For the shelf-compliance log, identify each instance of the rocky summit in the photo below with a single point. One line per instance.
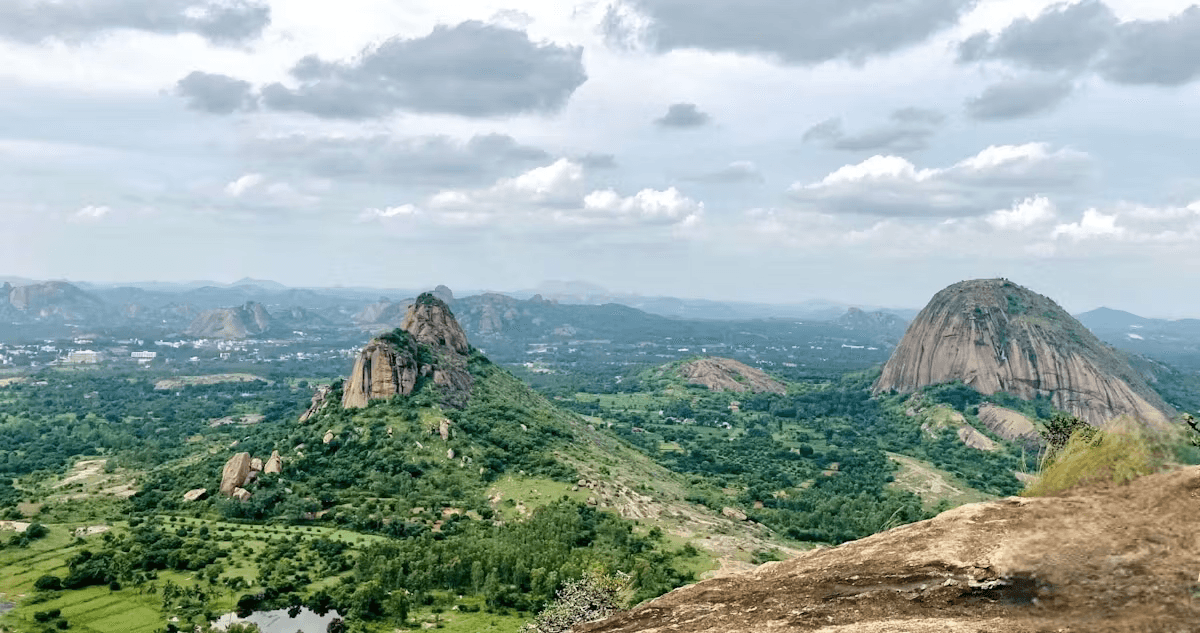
(995, 335)
(1121, 559)
(428, 344)
(232, 323)
(723, 374)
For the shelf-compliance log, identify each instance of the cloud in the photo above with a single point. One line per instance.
(593, 160)
(736, 172)
(225, 22)
(1092, 224)
(796, 33)
(472, 69)
(240, 186)
(431, 161)
(1162, 52)
(402, 211)
(549, 196)
(909, 130)
(1024, 214)
(92, 212)
(893, 186)
(215, 93)
(1087, 37)
(1019, 98)
(683, 115)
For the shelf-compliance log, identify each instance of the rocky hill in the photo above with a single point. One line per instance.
(52, 300)
(877, 322)
(723, 374)
(231, 323)
(1120, 559)
(428, 344)
(994, 335)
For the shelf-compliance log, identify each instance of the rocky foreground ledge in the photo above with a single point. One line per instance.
(1118, 559)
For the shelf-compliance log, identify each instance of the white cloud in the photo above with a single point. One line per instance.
(561, 179)
(1093, 224)
(92, 212)
(1024, 214)
(402, 211)
(244, 184)
(894, 186)
(668, 205)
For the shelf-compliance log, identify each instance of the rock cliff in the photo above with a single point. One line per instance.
(997, 336)
(429, 344)
(230, 323)
(1115, 560)
(723, 374)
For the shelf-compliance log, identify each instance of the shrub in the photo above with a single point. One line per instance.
(48, 583)
(593, 597)
(1122, 452)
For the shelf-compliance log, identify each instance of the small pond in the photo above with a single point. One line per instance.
(279, 621)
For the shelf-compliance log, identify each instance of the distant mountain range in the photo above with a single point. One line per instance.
(1174, 341)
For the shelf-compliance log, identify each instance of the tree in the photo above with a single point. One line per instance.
(48, 583)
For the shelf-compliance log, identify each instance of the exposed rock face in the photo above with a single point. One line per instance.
(1008, 424)
(1122, 559)
(274, 464)
(429, 343)
(997, 336)
(241, 494)
(444, 430)
(318, 402)
(723, 374)
(256, 464)
(975, 439)
(444, 293)
(49, 300)
(234, 475)
(231, 323)
(195, 495)
(733, 513)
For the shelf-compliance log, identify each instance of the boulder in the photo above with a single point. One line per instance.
(444, 430)
(256, 464)
(328, 436)
(241, 494)
(235, 472)
(318, 402)
(274, 464)
(733, 513)
(195, 495)
(450, 453)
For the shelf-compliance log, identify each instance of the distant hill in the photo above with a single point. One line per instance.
(1174, 341)
(51, 300)
(996, 336)
(232, 323)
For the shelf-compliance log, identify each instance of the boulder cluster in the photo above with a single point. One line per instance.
(242, 469)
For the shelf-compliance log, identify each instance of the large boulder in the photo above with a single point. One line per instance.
(195, 495)
(318, 402)
(235, 472)
(274, 464)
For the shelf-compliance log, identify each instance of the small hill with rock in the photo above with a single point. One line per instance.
(1119, 559)
(246, 320)
(996, 336)
(429, 344)
(723, 374)
(56, 300)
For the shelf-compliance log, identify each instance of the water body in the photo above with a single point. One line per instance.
(279, 621)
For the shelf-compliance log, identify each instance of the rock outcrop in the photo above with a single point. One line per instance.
(1113, 560)
(1008, 424)
(274, 464)
(429, 343)
(195, 495)
(318, 402)
(231, 323)
(723, 374)
(994, 335)
(56, 300)
(241, 494)
(235, 472)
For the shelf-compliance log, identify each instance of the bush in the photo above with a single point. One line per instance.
(593, 597)
(48, 583)
(1122, 452)
(46, 616)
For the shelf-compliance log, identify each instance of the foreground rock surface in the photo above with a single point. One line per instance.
(995, 336)
(1113, 560)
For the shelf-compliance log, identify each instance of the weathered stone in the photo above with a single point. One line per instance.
(195, 495)
(994, 335)
(444, 430)
(328, 436)
(1008, 424)
(274, 464)
(234, 474)
(450, 453)
(383, 369)
(256, 463)
(723, 374)
(430, 322)
(733, 513)
(241, 494)
(318, 402)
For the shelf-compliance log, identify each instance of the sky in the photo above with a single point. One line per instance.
(867, 151)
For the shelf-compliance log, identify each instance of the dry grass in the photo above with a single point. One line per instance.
(1123, 451)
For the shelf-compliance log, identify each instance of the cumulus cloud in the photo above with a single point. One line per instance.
(472, 69)
(215, 93)
(244, 184)
(736, 172)
(1092, 224)
(1087, 36)
(1024, 214)
(893, 186)
(1018, 98)
(554, 194)
(1137, 224)
(432, 160)
(909, 129)
(223, 22)
(683, 115)
(402, 211)
(799, 33)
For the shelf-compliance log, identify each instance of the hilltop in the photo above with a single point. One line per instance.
(996, 336)
(1106, 560)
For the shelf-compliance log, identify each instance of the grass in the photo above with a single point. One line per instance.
(1122, 452)
(531, 493)
(933, 485)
